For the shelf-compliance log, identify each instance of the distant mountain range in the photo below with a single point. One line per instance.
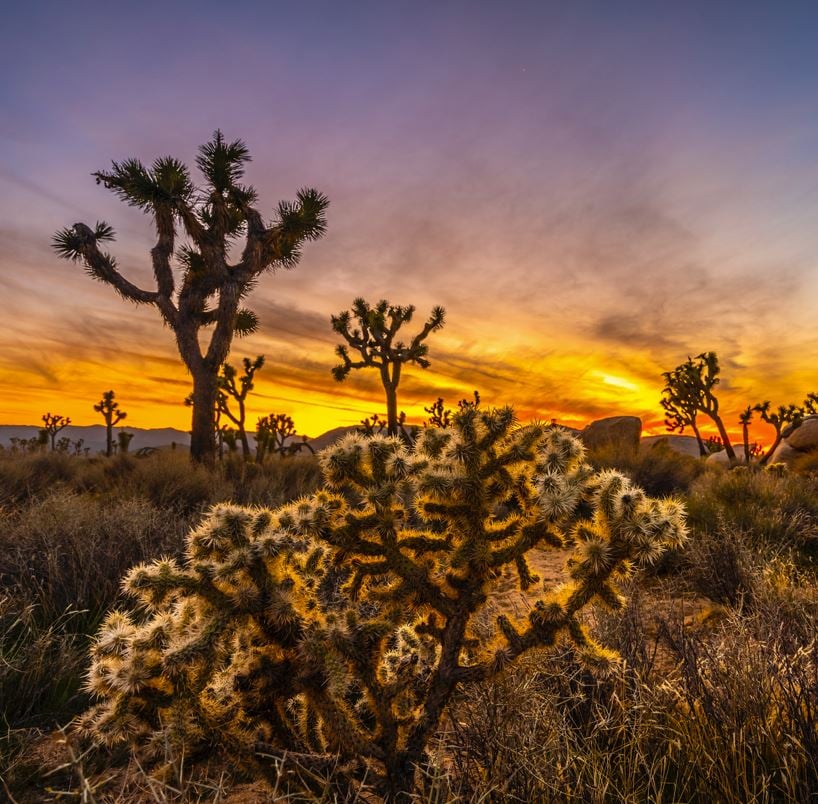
(93, 436)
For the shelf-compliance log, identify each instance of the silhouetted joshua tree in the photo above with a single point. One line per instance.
(109, 408)
(680, 402)
(779, 419)
(209, 289)
(441, 416)
(276, 434)
(693, 382)
(53, 424)
(744, 419)
(370, 333)
(237, 388)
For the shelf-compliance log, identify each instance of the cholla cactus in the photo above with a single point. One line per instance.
(342, 623)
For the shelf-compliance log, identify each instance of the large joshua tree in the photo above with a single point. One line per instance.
(196, 284)
(370, 333)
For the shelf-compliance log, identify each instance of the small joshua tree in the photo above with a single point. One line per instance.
(370, 334)
(441, 416)
(276, 434)
(692, 384)
(208, 290)
(246, 636)
(237, 388)
(53, 424)
(109, 408)
(745, 419)
(786, 415)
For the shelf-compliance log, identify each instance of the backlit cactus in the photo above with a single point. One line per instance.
(342, 623)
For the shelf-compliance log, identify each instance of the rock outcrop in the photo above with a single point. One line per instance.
(798, 441)
(616, 432)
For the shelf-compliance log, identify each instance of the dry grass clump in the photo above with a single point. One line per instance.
(659, 470)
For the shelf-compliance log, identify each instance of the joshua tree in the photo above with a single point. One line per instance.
(441, 416)
(693, 382)
(272, 434)
(245, 643)
(203, 289)
(238, 390)
(109, 408)
(744, 419)
(779, 419)
(680, 402)
(371, 336)
(53, 424)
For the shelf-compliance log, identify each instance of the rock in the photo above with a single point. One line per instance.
(617, 432)
(785, 454)
(681, 444)
(720, 458)
(805, 437)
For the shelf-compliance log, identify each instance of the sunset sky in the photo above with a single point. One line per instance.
(592, 190)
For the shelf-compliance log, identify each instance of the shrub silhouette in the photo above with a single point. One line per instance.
(249, 635)
(441, 416)
(211, 289)
(370, 333)
(111, 413)
(273, 433)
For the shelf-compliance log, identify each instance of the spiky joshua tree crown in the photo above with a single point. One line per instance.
(341, 624)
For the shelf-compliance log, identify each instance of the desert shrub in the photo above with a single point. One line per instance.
(659, 470)
(767, 508)
(721, 565)
(245, 637)
(61, 561)
(23, 477)
(276, 481)
(735, 719)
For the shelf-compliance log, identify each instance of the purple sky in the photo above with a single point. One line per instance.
(593, 190)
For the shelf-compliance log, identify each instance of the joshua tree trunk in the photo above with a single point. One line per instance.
(725, 439)
(203, 427)
(746, 435)
(699, 440)
(769, 453)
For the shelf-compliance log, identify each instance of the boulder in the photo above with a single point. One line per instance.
(785, 454)
(616, 432)
(805, 437)
(720, 458)
(681, 444)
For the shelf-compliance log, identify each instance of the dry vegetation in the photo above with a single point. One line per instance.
(717, 699)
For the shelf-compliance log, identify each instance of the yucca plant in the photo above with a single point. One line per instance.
(339, 626)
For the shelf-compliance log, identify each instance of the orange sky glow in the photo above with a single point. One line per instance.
(593, 194)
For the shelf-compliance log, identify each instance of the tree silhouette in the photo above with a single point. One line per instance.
(237, 388)
(273, 433)
(203, 289)
(680, 402)
(109, 408)
(370, 332)
(779, 419)
(441, 416)
(692, 383)
(744, 419)
(53, 424)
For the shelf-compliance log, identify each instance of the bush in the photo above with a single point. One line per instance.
(766, 508)
(659, 470)
(248, 636)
